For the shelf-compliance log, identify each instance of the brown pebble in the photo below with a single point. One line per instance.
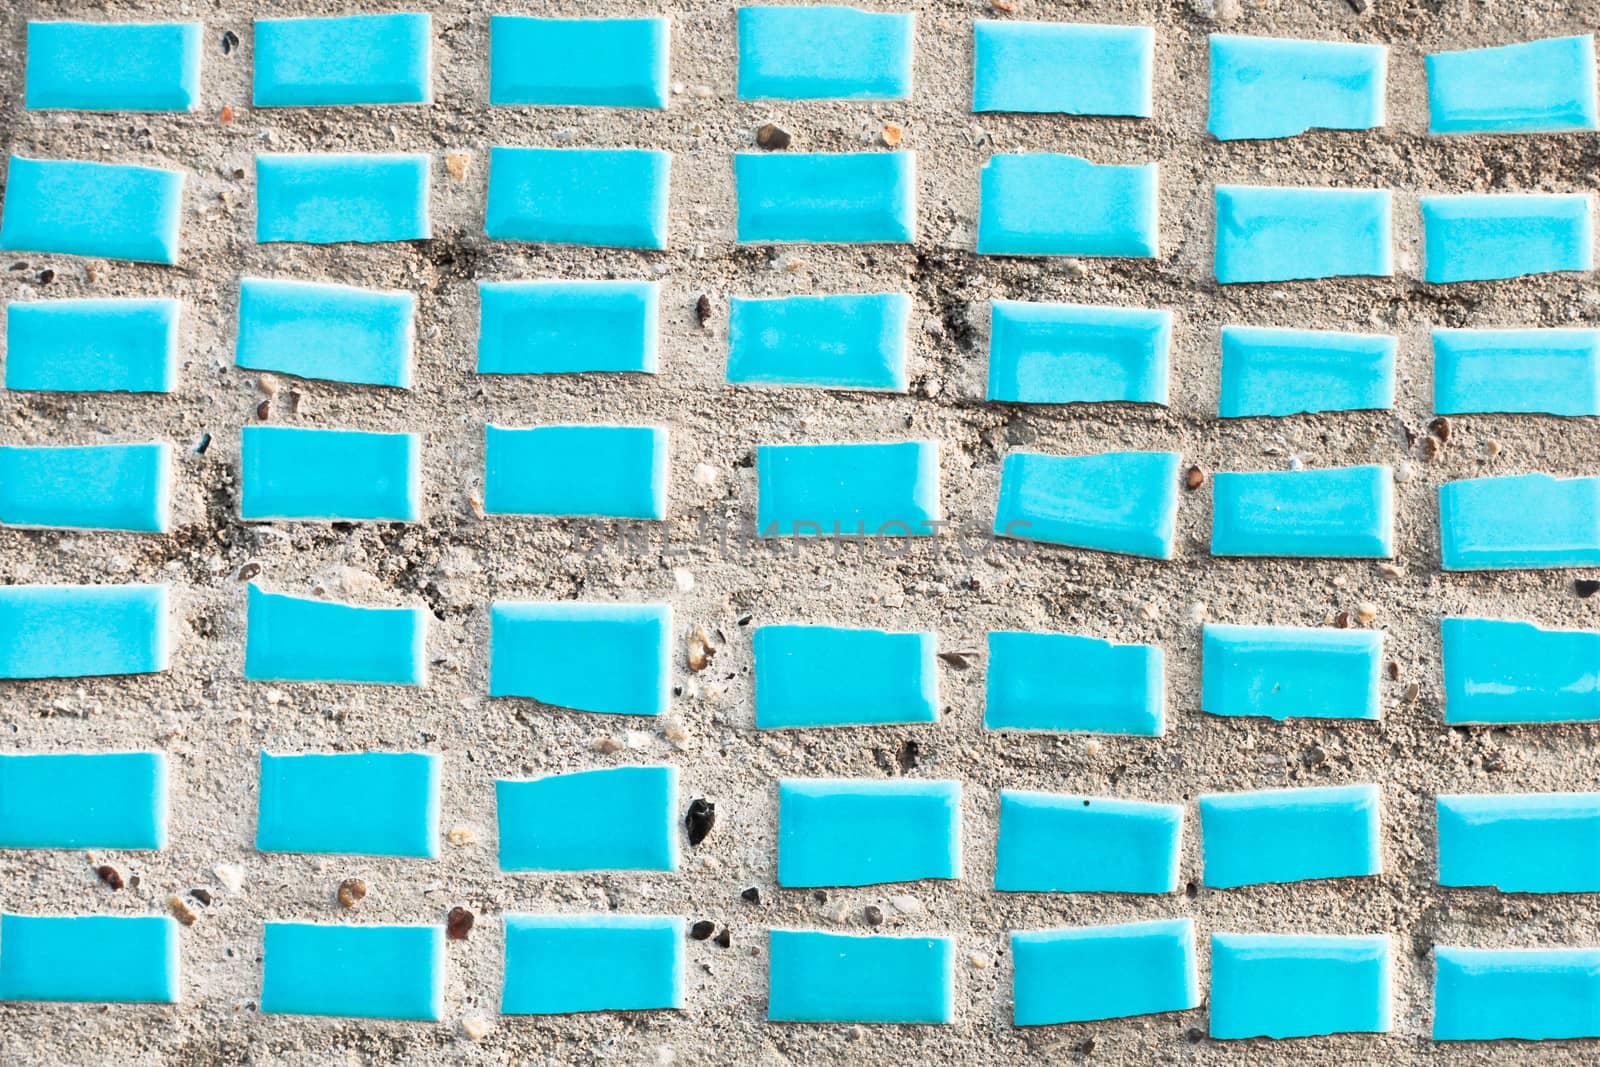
(773, 138)
(1413, 691)
(607, 745)
(351, 891)
(891, 135)
(1003, 6)
(461, 836)
(1440, 428)
(1194, 478)
(958, 660)
(1342, 620)
(91, 271)
(458, 924)
(109, 875)
(456, 165)
(181, 910)
(249, 571)
(724, 938)
(702, 310)
(264, 409)
(227, 114)
(873, 914)
(1394, 670)
(700, 650)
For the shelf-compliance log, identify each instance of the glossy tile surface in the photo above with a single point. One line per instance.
(1086, 973)
(885, 490)
(592, 62)
(79, 631)
(1018, 66)
(843, 341)
(1045, 204)
(1529, 87)
(89, 958)
(559, 964)
(1054, 681)
(350, 803)
(92, 346)
(589, 470)
(568, 327)
(857, 831)
(809, 676)
(89, 800)
(1267, 87)
(1299, 985)
(1290, 672)
(1061, 843)
(78, 208)
(1519, 521)
(1071, 353)
(1344, 512)
(826, 197)
(293, 472)
(1275, 234)
(301, 639)
(1290, 835)
(113, 66)
(1520, 842)
(1125, 502)
(352, 59)
(1476, 237)
(1551, 371)
(87, 487)
(1285, 372)
(817, 976)
(824, 52)
(338, 333)
(337, 197)
(617, 819)
(603, 197)
(1507, 671)
(611, 658)
(366, 971)
(1482, 994)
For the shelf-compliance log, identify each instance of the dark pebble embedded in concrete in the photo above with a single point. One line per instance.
(701, 818)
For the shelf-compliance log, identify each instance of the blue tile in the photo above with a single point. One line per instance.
(609, 658)
(355, 59)
(823, 52)
(582, 62)
(1086, 973)
(80, 631)
(129, 959)
(884, 490)
(350, 803)
(296, 639)
(1474, 237)
(606, 197)
(92, 209)
(561, 327)
(1264, 87)
(857, 831)
(325, 198)
(1059, 843)
(1017, 66)
(855, 341)
(607, 471)
(1504, 671)
(839, 197)
(1342, 512)
(1521, 842)
(833, 676)
(618, 819)
(1290, 835)
(1299, 985)
(1520, 521)
(114, 66)
(83, 800)
(1072, 354)
(817, 977)
(1274, 234)
(291, 472)
(1044, 204)
(1535, 87)
(92, 346)
(1050, 681)
(1290, 672)
(559, 964)
(1285, 372)
(1555, 372)
(1530, 994)
(87, 487)
(1124, 502)
(365, 972)
(337, 333)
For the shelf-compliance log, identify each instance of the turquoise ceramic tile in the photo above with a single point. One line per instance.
(1124, 502)
(1503, 671)
(834, 676)
(1058, 843)
(113, 66)
(334, 332)
(606, 197)
(365, 972)
(559, 964)
(882, 490)
(1264, 87)
(1474, 237)
(856, 831)
(1530, 994)
(1299, 985)
(1072, 354)
(618, 819)
(92, 346)
(291, 472)
(1018, 66)
(1274, 234)
(823, 52)
(855, 341)
(608, 471)
(127, 959)
(298, 639)
(1285, 372)
(325, 198)
(823, 197)
(819, 977)
(90, 800)
(350, 803)
(1086, 973)
(1045, 204)
(1534, 87)
(1554, 372)
(561, 327)
(1290, 672)
(354, 59)
(610, 658)
(582, 62)
(87, 487)
(92, 209)
(1521, 842)
(1049, 681)
(1519, 521)
(1342, 512)
(1290, 835)
(79, 631)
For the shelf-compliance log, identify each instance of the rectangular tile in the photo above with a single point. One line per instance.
(1519, 521)
(1051, 681)
(92, 346)
(1290, 672)
(1017, 66)
(839, 341)
(1286, 372)
(617, 819)
(1124, 502)
(1060, 843)
(350, 803)
(1086, 973)
(77, 208)
(1299, 985)
(560, 964)
(354, 59)
(586, 62)
(325, 198)
(857, 831)
(87, 487)
(1520, 842)
(1554, 372)
(826, 197)
(80, 631)
(300, 639)
(1046, 204)
(823, 52)
(1532, 87)
(604, 197)
(605, 471)
(815, 977)
(608, 658)
(113, 66)
(882, 490)
(809, 676)
(1476, 237)
(1265, 87)
(1290, 835)
(292, 472)
(123, 959)
(562, 327)
(1074, 354)
(1506, 671)
(1274, 234)
(90, 800)
(338, 333)
(365, 972)
(1528, 994)
(1341, 512)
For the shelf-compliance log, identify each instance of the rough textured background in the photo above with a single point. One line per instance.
(213, 724)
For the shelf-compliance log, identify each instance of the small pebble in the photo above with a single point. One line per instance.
(1440, 428)
(703, 474)
(1194, 478)
(906, 904)
(181, 910)
(607, 745)
(475, 1027)
(1430, 448)
(702, 929)
(773, 138)
(110, 876)
(1403, 471)
(456, 164)
(1091, 747)
(857, 1032)
(673, 730)
(1586, 587)
(1394, 670)
(1389, 570)
(979, 961)
(891, 135)
(751, 895)
(1492, 448)
(1342, 620)
(202, 895)
(230, 41)
(264, 410)
(1366, 611)
(227, 114)
(461, 836)
(47, 276)
(701, 818)
(458, 924)
(1413, 691)
(958, 660)
(683, 579)
(1358, 6)
(249, 571)
(351, 892)
(724, 938)
(700, 650)
(702, 310)
(873, 914)
(1005, 7)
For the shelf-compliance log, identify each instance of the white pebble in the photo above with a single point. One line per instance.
(906, 904)
(476, 1027)
(682, 579)
(231, 875)
(704, 474)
